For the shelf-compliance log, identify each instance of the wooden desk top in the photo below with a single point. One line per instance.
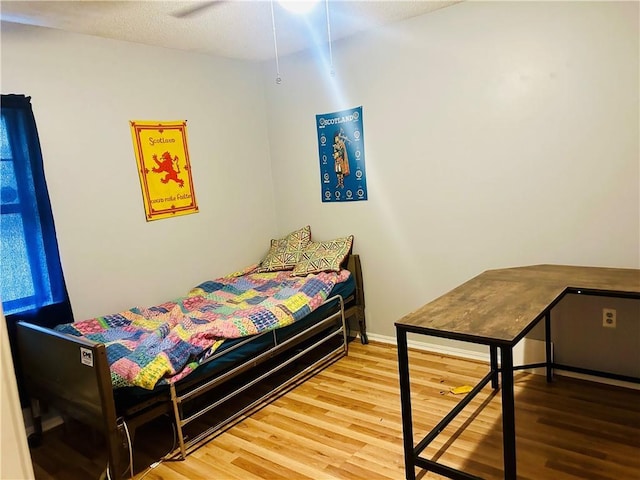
(499, 306)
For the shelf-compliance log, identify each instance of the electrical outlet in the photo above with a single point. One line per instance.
(609, 317)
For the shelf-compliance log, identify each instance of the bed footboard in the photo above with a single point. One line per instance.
(72, 375)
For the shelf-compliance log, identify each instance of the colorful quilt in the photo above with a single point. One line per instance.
(161, 344)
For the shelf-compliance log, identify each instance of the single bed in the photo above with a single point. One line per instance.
(74, 375)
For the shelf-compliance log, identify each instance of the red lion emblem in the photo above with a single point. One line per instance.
(167, 166)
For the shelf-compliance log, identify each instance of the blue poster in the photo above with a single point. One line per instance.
(341, 148)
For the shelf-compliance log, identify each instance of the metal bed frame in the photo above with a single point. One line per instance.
(86, 394)
(178, 400)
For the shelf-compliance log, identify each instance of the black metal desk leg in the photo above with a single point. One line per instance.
(493, 357)
(405, 403)
(547, 343)
(508, 414)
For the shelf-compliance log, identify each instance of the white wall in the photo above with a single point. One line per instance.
(583, 341)
(496, 134)
(15, 460)
(84, 91)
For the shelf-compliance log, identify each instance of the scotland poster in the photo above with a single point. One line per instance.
(164, 168)
(341, 147)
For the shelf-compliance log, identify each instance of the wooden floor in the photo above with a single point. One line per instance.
(345, 423)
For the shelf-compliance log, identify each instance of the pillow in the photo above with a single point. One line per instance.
(323, 256)
(285, 252)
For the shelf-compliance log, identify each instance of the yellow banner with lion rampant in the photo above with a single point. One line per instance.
(164, 168)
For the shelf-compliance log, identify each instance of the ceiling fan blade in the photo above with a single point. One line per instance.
(191, 11)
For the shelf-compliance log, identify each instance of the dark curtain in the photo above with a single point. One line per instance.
(49, 305)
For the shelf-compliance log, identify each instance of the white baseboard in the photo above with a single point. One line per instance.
(433, 347)
(593, 378)
(533, 353)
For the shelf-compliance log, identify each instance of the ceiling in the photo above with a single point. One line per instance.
(240, 29)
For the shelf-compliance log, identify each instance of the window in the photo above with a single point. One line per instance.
(30, 271)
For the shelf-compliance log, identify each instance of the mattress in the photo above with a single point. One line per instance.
(231, 353)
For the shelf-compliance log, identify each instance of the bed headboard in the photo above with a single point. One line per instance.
(357, 311)
(354, 266)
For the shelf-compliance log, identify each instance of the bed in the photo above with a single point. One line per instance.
(75, 375)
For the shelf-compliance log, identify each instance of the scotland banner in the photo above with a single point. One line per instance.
(341, 148)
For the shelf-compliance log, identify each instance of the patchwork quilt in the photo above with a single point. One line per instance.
(162, 343)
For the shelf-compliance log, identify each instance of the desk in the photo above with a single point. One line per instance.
(498, 308)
